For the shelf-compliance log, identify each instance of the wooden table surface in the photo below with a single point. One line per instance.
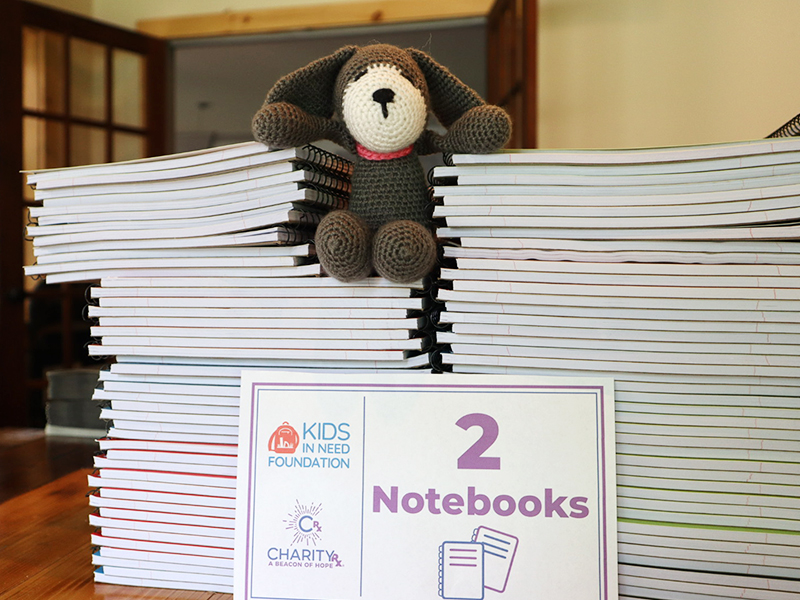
(45, 548)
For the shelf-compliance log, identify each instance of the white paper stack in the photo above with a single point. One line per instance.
(156, 216)
(676, 272)
(206, 267)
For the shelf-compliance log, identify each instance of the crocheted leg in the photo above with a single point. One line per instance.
(343, 245)
(403, 251)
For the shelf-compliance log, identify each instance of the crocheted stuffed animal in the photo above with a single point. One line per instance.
(374, 101)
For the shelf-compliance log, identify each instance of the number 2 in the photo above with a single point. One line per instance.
(473, 458)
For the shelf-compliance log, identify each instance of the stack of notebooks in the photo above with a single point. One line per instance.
(676, 272)
(206, 266)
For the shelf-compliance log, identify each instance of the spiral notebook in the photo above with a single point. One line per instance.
(461, 570)
(499, 550)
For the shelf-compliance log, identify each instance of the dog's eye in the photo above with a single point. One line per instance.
(360, 75)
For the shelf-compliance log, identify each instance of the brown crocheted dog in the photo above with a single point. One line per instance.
(374, 101)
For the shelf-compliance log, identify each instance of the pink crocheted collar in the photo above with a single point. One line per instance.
(370, 155)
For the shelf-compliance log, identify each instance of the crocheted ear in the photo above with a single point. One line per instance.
(311, 87)
(450, 97)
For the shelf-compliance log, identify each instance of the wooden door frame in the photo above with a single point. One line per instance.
(14, 410)
(311, 17)
(14, 404)
(521, 16)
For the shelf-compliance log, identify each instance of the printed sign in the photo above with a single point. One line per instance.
(397, 486)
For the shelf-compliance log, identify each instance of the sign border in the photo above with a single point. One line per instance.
(259, 383)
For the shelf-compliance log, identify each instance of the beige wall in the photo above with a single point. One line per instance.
(617, 73)
(623, 73)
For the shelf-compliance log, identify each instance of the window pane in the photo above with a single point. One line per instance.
(43, 147)
(128, 87)
(43, 71)
(87, 79)
(128, 146)
(87, 145)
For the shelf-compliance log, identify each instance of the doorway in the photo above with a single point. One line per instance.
(220, 83)
(75, 91)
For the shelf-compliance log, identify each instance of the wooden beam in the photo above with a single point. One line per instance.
(310, 17)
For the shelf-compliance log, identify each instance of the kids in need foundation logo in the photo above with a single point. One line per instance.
(284, 439)
(318, 445)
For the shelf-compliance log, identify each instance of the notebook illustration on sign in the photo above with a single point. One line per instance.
(461, 570)
(498, 556)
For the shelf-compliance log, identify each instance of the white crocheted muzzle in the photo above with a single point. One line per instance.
(383, 110)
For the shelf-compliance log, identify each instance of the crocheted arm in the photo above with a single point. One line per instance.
(480, 130)
(299, 107)
(472, 125)
(284, 125)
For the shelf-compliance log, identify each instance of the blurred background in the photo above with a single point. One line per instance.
(87, 81)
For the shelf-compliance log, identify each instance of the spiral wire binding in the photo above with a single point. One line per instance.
(435, 359)
(429, 176)
(93, 340)
(790, 129)
(433, 179)
(328, 160)
(321, 162)
(314, 167)
(97, 357)
(435, 320)
(331, 198)
(30, 221)
(432, 198)
(431, 326)
(85, 315)
(327, 180)
(87, 296)
(437, 306)
(441, 567)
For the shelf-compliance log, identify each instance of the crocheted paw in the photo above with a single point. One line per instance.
(284, 125)
(343, 245)
(480, 130)
(403, 251)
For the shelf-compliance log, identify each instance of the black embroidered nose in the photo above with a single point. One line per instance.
(383, 96)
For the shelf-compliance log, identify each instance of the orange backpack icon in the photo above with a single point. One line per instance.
(284, 439)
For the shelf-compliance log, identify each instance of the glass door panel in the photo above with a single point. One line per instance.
(43, 81)
(87, 145)
(43, 146)
(87, 74)
(128, 146)
(128, 90)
